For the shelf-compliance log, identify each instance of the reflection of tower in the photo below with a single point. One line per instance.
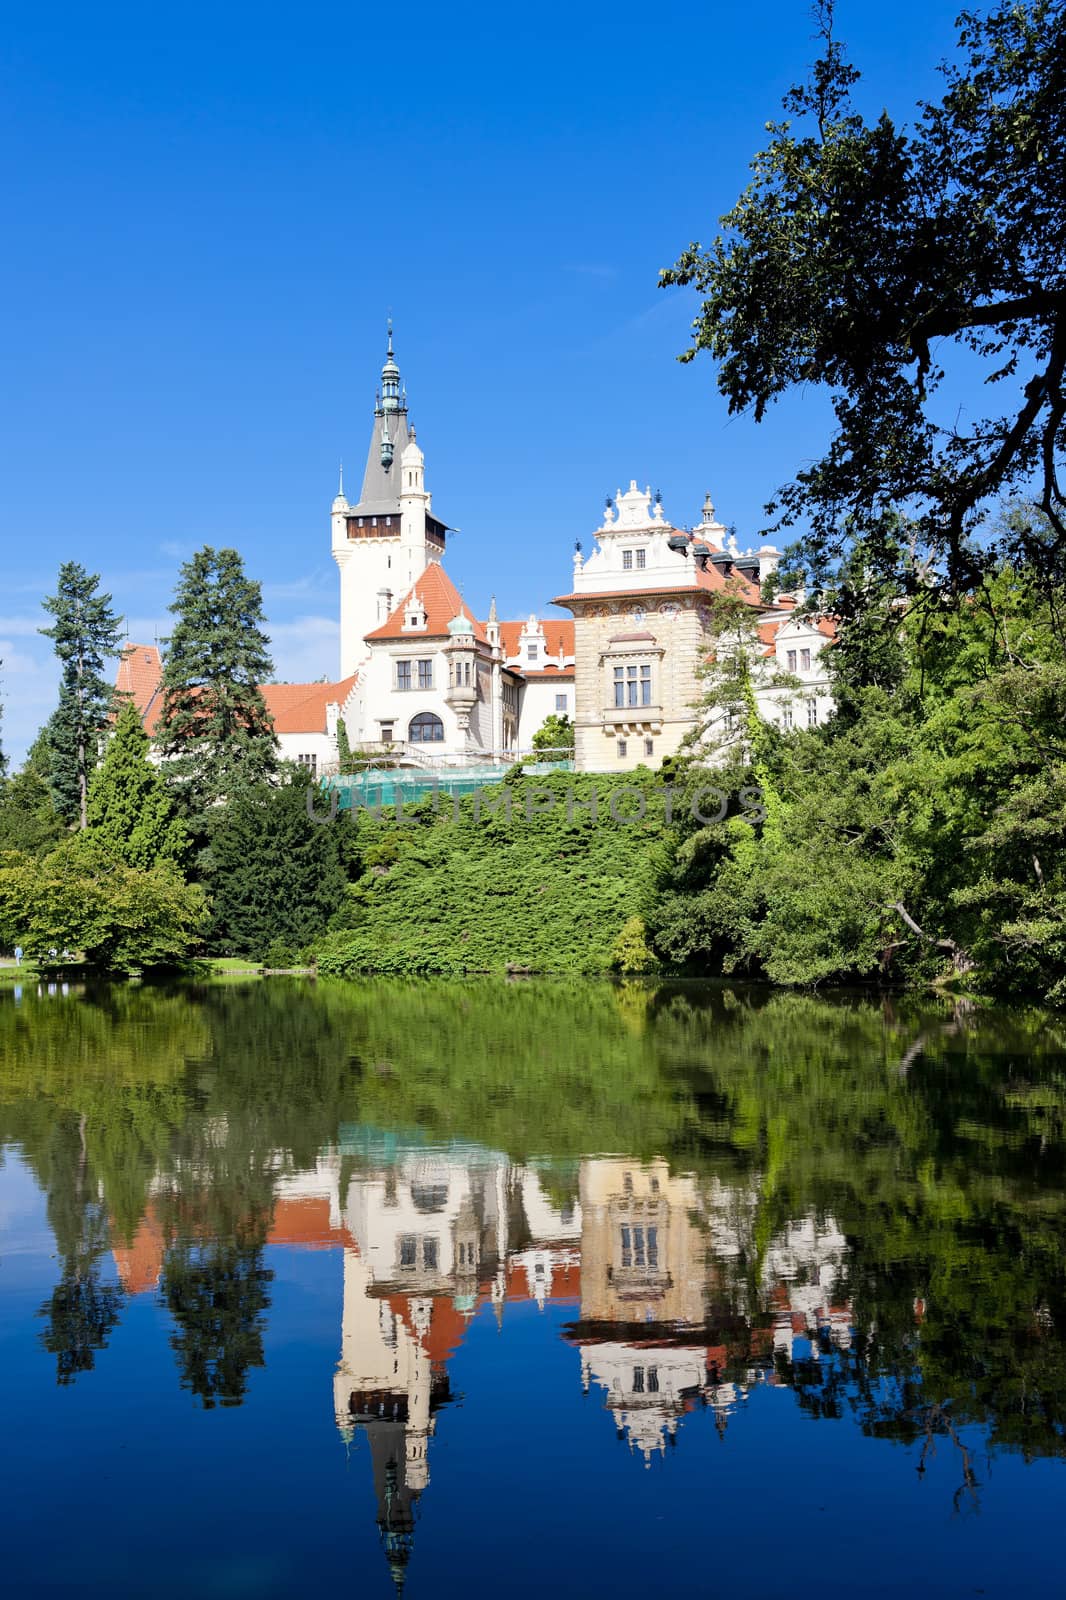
(387, 1387)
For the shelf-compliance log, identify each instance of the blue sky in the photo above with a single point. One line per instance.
(210, 212)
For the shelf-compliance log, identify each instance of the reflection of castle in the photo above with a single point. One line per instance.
(664, 1296)
(436, 1232)
(680, 1303)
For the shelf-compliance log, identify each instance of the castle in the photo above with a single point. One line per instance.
(426, 684)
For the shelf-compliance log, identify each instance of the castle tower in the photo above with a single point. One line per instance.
(384, 542)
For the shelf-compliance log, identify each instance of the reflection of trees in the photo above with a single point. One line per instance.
(217, 1294)
(82, 1310)
(217, 1213)
(937, 1142)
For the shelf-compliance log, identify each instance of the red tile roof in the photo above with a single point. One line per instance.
(139, 673)
(294, 707)
(301, 707)
(441, 601)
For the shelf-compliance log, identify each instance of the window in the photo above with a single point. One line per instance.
(621, 747)
(531, 652)
(786, 718)
(632, 685)
(805, 661)
(638, 1380)
(426, 729)
(429, 1254)
(309, 763)
(790, 657)
(403, 674)
(653, 1247)
(560, 702)
(386, 733)
(627, 1249)
(812, 713)
(425, 674)
(653, 1380)
(649, 747)
(627, 559)
(460, 674)
(640, 557)
(407, 1251)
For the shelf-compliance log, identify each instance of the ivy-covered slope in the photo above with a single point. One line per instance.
(466, 888)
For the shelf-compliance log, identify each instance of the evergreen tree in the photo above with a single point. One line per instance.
(131, 812)
(29, 821)
(215, 726)
(85, 632)
(276, 875)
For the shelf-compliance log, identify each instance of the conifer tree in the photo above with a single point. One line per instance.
(276, 876)
(85, 632)
(29, 821)
(131, 811)
(215, 726)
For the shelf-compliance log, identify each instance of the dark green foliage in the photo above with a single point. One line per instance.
(214, 725)
(885, 261)
(918, 836)
(29, 821)
(276, 876)
(464, 889)
(131, 811)
(85, 633)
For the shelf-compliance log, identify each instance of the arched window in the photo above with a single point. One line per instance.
(426, 729)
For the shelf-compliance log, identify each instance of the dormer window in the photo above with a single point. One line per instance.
(531, 652)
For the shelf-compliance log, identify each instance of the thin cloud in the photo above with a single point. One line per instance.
(591, 269)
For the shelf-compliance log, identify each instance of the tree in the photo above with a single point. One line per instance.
(214, 727)
(555, 736)
(130, 811)
(80, 898)
(85, 633)
(881, 262)
(29, 821)
(276, 875)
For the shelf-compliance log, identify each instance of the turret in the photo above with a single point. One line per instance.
(461, 650)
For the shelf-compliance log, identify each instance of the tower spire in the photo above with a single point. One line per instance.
(391, 397)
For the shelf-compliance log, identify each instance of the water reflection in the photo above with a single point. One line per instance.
(865, 1210)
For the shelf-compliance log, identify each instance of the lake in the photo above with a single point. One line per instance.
(529, 1288)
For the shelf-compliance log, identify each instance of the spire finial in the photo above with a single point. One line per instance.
(340, 486)
(391, 399)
